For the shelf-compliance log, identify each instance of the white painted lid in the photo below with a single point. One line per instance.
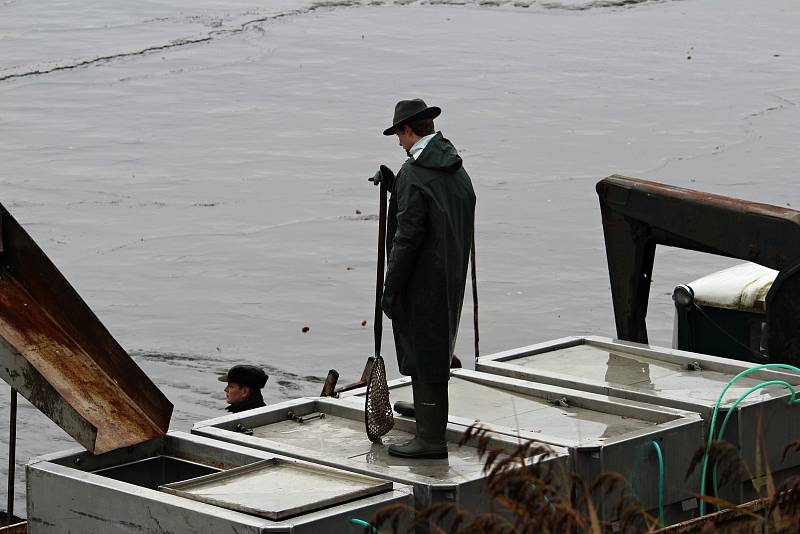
(742, 287)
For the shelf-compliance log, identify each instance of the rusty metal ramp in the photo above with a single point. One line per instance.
(58, 355)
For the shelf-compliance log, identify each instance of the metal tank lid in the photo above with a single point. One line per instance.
(57, 354)
(741, 287)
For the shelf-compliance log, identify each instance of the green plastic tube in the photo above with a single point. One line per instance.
(714, 420)
(660, 481)
(732, 409)
(362, 523)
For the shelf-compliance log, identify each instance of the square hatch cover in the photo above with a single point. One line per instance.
(278, 488)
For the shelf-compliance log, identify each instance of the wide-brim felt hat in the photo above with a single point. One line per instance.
(246, 375)
(410, 110)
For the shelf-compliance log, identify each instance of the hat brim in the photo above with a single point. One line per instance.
(427, 113)
(223, 378)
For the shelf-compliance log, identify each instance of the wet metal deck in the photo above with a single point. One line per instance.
(344, 437)
(518, 411)
(339, 440)
(640, 372)
(603, 433)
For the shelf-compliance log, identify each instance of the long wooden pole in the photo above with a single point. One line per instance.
(12, 453)
(475, 298)
(378, 326)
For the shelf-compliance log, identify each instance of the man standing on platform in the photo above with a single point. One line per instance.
(429, 234)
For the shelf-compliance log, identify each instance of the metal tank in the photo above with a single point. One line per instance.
(133, 475)
(331, 432)
(763, 424)
(602, 433)
(186, 484)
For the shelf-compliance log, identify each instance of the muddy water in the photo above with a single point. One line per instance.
(198, 171)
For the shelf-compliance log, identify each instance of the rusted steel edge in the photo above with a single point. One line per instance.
(28, 382)
(16, 528)
(23, 259)
(723, 517)
(683, 194)
(350, 387)
(43, 315)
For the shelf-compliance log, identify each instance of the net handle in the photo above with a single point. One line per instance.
(474, 273)
(381, 265)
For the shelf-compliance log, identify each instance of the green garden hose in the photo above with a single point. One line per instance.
(716, 410)
(362, 523)
(660, 482)
(724, 425)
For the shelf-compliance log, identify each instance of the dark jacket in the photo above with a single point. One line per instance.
(430, 228)
(254, 400)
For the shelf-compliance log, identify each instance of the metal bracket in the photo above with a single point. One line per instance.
(243, 429)
(303, 418)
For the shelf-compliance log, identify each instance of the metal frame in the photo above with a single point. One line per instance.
(63, 494)
(639, 214)
(678, 432)
(464, 488)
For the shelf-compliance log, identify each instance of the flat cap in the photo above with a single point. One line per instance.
(246, 375)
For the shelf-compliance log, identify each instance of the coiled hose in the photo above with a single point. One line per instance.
(711, 435)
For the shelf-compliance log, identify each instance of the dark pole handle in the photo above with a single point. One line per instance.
(474, 297)
(381, 264)
(12, 453)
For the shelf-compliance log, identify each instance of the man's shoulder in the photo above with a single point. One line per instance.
(408, 172)
(408, 166)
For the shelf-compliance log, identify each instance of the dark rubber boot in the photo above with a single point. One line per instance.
(430, 405)
(404, 408)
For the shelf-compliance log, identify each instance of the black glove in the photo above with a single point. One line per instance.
(387, 303)
(384, 175)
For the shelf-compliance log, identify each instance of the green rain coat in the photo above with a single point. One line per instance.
(430, 228)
